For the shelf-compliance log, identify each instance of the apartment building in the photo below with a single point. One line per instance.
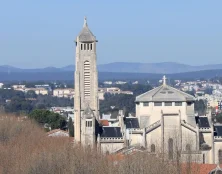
(66, 93)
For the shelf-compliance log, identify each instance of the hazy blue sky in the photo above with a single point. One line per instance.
(40, 33)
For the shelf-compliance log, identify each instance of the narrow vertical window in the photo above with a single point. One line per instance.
(220, 156)
(153, 148)
(203, 158)
(87, 46)
(170, 148)
(91, 46)
(84, 46)
(81, 46)
(87, 78)
(188, 148)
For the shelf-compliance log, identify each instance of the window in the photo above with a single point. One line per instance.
(203, 158)
(88, 123)
(153, 148)
(87, 78)
(220, 156)
(84, 46)
(178, 103)
(145, 103)
(157, 103)
(91, 46)
(170, 148)
(168, 103)
(81, 46)
(189, 103)
(87, 46)
(188, 148)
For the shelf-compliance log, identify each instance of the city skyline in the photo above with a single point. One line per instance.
(42, 33)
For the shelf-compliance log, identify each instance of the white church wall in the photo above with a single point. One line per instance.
(172, 132)
(188, 138)
(217, 147)
(192, 157)
(155, 112)
(171, 126)
(154, 137)
(135, 139)
(208, 154)
(111, 147)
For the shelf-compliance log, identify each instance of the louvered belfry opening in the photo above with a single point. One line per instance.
(87, 80)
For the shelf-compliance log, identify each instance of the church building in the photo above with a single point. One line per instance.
(164, 122)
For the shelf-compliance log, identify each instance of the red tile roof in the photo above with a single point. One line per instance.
(198, 168)
(104, 122)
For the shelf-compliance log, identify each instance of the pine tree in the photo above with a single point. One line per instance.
(71, 127)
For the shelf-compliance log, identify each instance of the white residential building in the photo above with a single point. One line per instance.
(108, 82)
(1, 85)
(18, 87)
(66, 93)
(38, 91)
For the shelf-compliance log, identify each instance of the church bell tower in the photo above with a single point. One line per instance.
(86, 103)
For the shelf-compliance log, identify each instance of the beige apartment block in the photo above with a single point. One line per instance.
(18, 87)
(38, 91)
(66, 93)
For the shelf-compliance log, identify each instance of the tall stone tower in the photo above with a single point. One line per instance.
(86, 104)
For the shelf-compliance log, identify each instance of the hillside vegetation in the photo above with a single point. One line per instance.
(25, 149)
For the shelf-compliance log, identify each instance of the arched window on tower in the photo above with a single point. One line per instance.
(170, 148)
(153, 148)
(220, 156)
(91, 47)
(84, 46)
(81, 46)
(87, 80)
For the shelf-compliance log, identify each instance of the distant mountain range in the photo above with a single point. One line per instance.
(155, 68)
(69, 76)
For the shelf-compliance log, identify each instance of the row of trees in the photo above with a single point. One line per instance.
(51, 119)
(19, 102)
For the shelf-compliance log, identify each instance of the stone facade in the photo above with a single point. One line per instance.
(165, 121)
(86, 82)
